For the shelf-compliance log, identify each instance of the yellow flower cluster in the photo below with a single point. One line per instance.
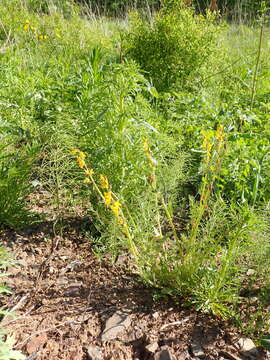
(107, 198)
(80, 158)
(115, 207)
(207, 145)
(106, 194)
(89, 172)
(28, 27)
(210, 138)
(41, 37)
(104, 183)
(220, 135)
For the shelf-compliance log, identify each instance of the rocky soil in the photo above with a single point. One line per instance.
(72, 305)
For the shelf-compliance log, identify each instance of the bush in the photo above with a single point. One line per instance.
(15, 165)
(112, 132)
(168, 53)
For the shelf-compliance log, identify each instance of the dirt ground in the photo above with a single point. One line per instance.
(66, 299)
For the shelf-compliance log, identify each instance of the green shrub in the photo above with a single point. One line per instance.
(172, 48)
(115, 120)
(16, 157)
(246, 173)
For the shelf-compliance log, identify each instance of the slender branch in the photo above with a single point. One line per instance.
(253, 91)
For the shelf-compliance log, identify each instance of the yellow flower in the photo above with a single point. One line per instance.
(120, 221)
(41, 37)
(87, 181)
(125, 227)
(74, 151)
(108, 198)
(104, 183)
(89, 172)
(80, 162)
(82, 155)
(145, 145)
(26, 26)
(115, 208)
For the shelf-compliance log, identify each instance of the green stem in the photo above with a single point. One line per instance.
(169, 219)
(253, 91)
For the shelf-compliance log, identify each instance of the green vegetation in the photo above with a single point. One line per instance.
(169, 54)
(170, 131)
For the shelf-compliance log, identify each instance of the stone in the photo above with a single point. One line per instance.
(22, 263)
(247, 347)
(250, 272)
(122, 260)
(152, 348)
(61, 281)
(36, 183)
(94, 352)
(116, 324)
(197, 350)
(155, 315)
(73, 265)
(73, 290)
(33, 357)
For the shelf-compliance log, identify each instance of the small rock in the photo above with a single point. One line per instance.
(73, 265)
(118, 322)
(250, 272)
(62, 281)
(73, 290)
(164, 355)
(94, 352)
(152, 348)
(155, 315)
(247, 347)
(197, 350)
(122, 260)
(36, 183)
(22, 263)
(32, 357)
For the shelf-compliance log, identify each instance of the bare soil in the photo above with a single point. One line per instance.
(63, 295)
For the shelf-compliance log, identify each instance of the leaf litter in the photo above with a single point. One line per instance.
(71, 305)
